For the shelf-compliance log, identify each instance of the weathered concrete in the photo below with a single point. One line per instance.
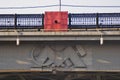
(31, 56)
(63, 51)
(60, 36)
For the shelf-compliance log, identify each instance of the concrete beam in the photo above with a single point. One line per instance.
(79, 33)
(60, 36)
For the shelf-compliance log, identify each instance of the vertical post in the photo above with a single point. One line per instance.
(97, 20)
(59, 5)
(69, 24)
(15, 21)
(43, 20)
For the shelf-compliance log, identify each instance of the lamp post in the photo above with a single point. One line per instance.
(59, 5)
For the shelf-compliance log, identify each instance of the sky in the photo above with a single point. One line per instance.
(29, 3)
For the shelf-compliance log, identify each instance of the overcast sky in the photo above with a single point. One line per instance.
(26, 3)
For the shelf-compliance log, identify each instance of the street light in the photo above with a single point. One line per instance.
(59, 5)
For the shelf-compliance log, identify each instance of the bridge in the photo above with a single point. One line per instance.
(64, 55)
